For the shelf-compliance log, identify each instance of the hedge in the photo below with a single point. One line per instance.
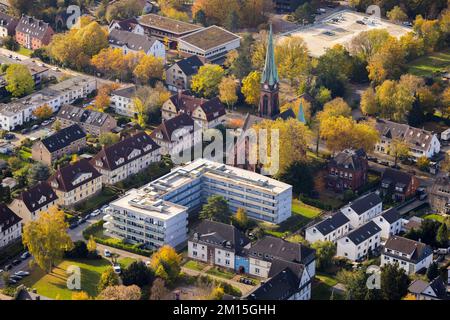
(315, 203)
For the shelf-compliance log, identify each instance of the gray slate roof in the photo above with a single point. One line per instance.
(365, 203)
(133, 41)
(84, 116)
(417, 250)
(32, 26)
(7, 217)
(364, 232)
(31, 196)
(63, 138)
(332, 223)
(391, 215)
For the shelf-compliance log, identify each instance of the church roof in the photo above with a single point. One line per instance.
(270, 73)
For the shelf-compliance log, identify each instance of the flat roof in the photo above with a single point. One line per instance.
(167, 24)
(209, 38)
(145, 204)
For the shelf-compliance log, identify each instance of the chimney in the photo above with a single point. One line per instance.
(180, 93)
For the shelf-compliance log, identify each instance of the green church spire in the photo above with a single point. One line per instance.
(270, 73)
(301, 113)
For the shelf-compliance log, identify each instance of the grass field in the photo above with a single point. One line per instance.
(304, 210)
(54, 285)
(125, 262)
(430, 64)
(323, 287)
(436, 217)
(24, 51)
(194, 265)
(220, 273)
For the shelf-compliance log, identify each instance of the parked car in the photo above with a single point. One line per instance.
(25, 131)
(107, 253)
(147, 263)
(8, 267)
(15, 277)
(73, 225)
(16, 262)
(12, 281)
(9, 136)
(35, 127)
(25, 255)
(360, 22)
(117, 269)
(95, 213)
(22, 273)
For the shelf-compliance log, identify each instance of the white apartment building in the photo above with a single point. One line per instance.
(122, 101)
(10, 226)
(330, 229)
(139, 217)
(126, 158)
(66, 92)
(363, 209)
(410, 255)
(390, 223)
(357, 244)
(130, 42)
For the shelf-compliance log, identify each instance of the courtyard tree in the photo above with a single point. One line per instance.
(216, 208)
(251, 87)
(206, 81)
(19, 80)
(43, 112)
(38, 172)
(325, 251)
(149, 67)
(46, 238)
(108, 278)
(398, 149)
(394, 282)
(241, 218)
(108, 138)
(442, 235)
(166, 264)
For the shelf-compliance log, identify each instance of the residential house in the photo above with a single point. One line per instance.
(167, 29)
(348, 170)
(125, 158)
(206, 113)
(210, 44)
(8, 25)
(179, 75)
(433, 290)
(68, 140)
(410, 255)
(75, 183)
(287, 281)
(9, 182)
(219, 244)
(412, 223)
(130, 25)
(177, 134)
(122, 101)
(390, 222)
(439, 195)
(32, 33)
(32, 201)
(17, 113)
(266, 250)
(131, 42)
(360, 242)
(10, 226)
(398, 184)
(329, 229)
(92, 122)
(422, 143)
(363, 209)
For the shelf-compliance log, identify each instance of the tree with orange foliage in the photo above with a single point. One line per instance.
(149, 67)
(43, 112)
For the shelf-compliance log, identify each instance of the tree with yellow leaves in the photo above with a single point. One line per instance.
(292, 58)
(43, 112)
(295, 106)
(341, 133)
(149, 67)
(166, 263)
(74, 158)
(206, 81)
(46, 238)
(92, 245)
(217, 293)
(227, 91)
(388, 62)
(80, 295)
(110, 61)
(141, 112)
(369, 104)
(241, 218)
(251, 88)
(398, 149)
(334, 108)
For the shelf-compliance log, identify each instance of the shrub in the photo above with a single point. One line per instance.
(315, 203)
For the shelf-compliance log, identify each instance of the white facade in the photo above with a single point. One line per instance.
(157, 50)
(198, 251)
(183, 139)
(123, 105)
(10, 234)
(357, 220)
(224, 258)
(66, 92)
(388, 229)
(305, 284)
(404, 260)
(261, 267)
(356, 251)
(313, 233)
(140, 218)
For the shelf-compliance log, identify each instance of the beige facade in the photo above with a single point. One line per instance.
(82, 192)
(40, 153)
(19, 208)
(177, 79)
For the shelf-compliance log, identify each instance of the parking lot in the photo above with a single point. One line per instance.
(340, 28)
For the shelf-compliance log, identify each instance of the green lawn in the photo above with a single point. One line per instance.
(323, 287)
(436, 217)
(304, 210)
(222, 273)
(54, 285)
(24, 51)
(430, 64)
(106, 196)
(125, 262)
(194, 265)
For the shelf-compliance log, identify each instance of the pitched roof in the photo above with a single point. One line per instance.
(366, 202)
(7, 21)
(397, 176)
(38, 196)
(32, 26)
(85, 116)
(132, 41)
(285, 115)
(270, 247)
(415, 137)
(167, 24)
(209, 38)
(7, 217)
(437, 285)
(126, 92)
(63, 138)
(332, 223)
(69, 178)
(127, 24)
(417, 250)
(350, 158)
(111, 156)
(190, 65)
(220, 235)
(168, 127)
(364, 232)
(391, 215)
(270, 72)
(213, 108)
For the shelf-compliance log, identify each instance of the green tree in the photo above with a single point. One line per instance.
(232, 21)
(394, 282)
(242, 65)
(107, 279)
(216, 208)
(166, 264)
(108, 138)
(432, 271)
(397, 14)
(325, 251)
(46, 238)
(206, 81)
(442, 235)
(137, 273)
(92, 245)
(38, 172)
(5, 194)
(354, 282)
(19, 80)
(300, 176)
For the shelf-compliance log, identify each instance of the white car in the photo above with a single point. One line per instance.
(107, 253)
(22, 273)
(104, 208)
(117, 269)
(95, 213)
(147, 263)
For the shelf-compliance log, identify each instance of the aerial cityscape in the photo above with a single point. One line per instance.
(224, 150)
